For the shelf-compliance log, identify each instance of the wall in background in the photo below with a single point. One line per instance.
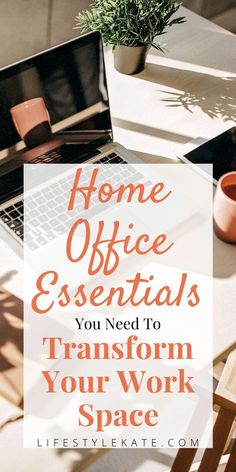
(209, 8)
(221, 12)
(29, 26)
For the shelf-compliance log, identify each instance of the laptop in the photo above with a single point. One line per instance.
(70, 81)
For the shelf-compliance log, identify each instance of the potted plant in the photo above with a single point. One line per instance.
(130, 26)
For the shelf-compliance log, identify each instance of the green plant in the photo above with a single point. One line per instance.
(129, 22)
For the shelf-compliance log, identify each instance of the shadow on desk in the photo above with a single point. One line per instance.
(154, 159)
(151, 131)
(11, 347)
(214, 95)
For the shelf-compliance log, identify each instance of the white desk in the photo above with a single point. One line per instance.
(198, 77)
(197, 72)
(187, 93)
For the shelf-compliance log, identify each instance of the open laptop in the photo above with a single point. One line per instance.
(71, 80)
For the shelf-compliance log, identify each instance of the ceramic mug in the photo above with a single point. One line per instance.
(224, 208)
(32, 121)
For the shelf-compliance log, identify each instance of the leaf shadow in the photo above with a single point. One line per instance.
(214, 95)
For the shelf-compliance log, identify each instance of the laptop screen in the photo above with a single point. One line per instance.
(64, 87)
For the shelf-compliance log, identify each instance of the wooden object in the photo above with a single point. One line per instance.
(212, 457)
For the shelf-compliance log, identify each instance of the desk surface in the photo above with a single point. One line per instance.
(184, 94)
(187, 93)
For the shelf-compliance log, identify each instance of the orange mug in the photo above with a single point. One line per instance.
(224, 208)
(32, 121)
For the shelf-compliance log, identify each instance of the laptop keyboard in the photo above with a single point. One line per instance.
(66, 154)
(45, 219)
(12, 183)
(12, 216)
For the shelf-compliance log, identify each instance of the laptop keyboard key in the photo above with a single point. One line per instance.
(34, 223)
(8, 209)
(51, 213)
(104, 159)
(14, 224)
(55, 222)
(13, 214)
(19, 231)
(6, 218)
(46, 227)
(116, 160)
(41, 241)
(51, 204)
(19, 204)
(60, 229)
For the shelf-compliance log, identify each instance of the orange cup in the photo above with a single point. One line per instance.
(224, 208)
(30, 116)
